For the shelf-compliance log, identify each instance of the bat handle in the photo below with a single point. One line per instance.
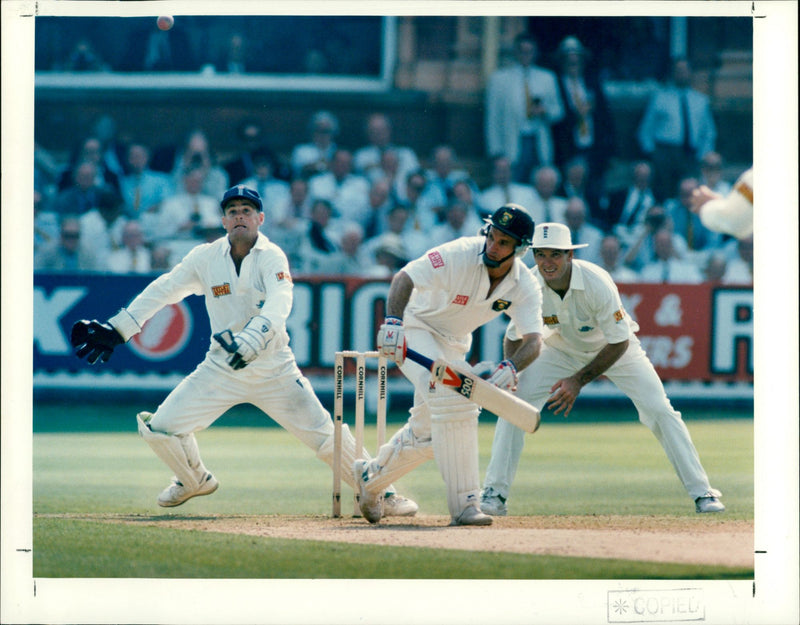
(418, 358)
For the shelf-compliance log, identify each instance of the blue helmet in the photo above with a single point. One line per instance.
(241, 191)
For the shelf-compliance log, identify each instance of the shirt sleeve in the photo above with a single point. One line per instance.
(611, 316)
(169, 288)
(279, 287)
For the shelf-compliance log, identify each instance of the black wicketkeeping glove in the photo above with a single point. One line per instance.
(94, 340)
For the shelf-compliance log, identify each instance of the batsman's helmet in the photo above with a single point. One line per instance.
(513, 220)
(241, 191)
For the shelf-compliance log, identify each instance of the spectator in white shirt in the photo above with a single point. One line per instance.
(504, 190)
(667, 268)
(133, 256)
(547, 205)
(611, 261)
(575, 217)
(379, 138)
(347, 192)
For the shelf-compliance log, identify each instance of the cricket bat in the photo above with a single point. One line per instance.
(476, 389)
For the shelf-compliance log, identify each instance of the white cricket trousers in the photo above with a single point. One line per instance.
(635, 376)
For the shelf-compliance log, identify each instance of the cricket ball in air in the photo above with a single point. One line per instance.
(165, 22)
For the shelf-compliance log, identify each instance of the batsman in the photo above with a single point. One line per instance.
(247, 287)
(434, 304)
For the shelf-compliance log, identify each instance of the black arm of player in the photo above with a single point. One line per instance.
(94, 340)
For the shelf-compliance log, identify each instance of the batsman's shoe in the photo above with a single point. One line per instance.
(397, 505)
(471, 516)
(371, 504)
(493, 503)
(709, 502)
(176, 493)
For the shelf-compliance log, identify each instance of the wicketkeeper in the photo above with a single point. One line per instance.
(248, 291)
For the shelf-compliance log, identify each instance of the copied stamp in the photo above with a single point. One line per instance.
(654, 606)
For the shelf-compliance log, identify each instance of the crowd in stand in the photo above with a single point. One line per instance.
(363, 206)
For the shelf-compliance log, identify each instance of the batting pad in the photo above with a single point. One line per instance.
(325, 453)
(171, 450)
(403, 453)
(455, 446)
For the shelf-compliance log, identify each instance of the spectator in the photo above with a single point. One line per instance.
(236, 58)
(667, 268)
(398, 222)
(711, 173)
(576, 183)
(242, 167)
(522, 103)
(688, 224)
(677, 130)
(81, 195)
(504, 190)
(379, 140)
(459, 222)
(134, 256)
(626, 208)
(347, 192)
(46, 171)
(714, 268)
(318, 252)
(196, 154)
(380, 204)
(739, 270)
(547, 206)
(102, 226)
(160, 259)
(464, 192)
(389, 256)
(352, 261)
(611, 261)
(113, 149)
(45, 223)
(389, 170)
(275, 193)
(66, 254)
(90, 150)
(84, 58)
(309, 159)
(642, 249)
(290, 232)
(443, 174)
(587, 127)
(143, 189)
(183, 215)
(575, 217)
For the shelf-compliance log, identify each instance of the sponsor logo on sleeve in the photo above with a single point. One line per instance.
(436, 260)
(221, 289)
(500, 304)
(619, 315)
(283, 275)
(461, 300)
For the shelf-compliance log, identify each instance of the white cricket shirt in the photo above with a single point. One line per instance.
(263, 286)
(590, 315)
(451, 293)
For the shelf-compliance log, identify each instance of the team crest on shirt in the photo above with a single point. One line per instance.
(461, 300)
(550, 320)
(619, 315)
(436, 260)
(500, 304)
(221, 289)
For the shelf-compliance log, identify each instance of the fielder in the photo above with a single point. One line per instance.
(248, 291)
(731, 214)
(588, 334)
(434, 305)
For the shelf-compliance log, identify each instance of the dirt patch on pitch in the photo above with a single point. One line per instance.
(701, 540)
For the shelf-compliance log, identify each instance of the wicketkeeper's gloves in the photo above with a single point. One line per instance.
(94, 340)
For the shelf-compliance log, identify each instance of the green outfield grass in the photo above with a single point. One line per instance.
(608, 468)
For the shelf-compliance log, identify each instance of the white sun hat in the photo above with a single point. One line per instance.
(554, 236)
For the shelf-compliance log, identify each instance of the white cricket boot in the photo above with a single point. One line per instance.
(371, 504)
(709, 502)
(176, 493)
(493, 503)
(395, 504)
(471, 516)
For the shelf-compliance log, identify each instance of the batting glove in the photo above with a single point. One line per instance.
(245, 346)
(392, 340)
(505, 376)
(94, 340)
(484, 369)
